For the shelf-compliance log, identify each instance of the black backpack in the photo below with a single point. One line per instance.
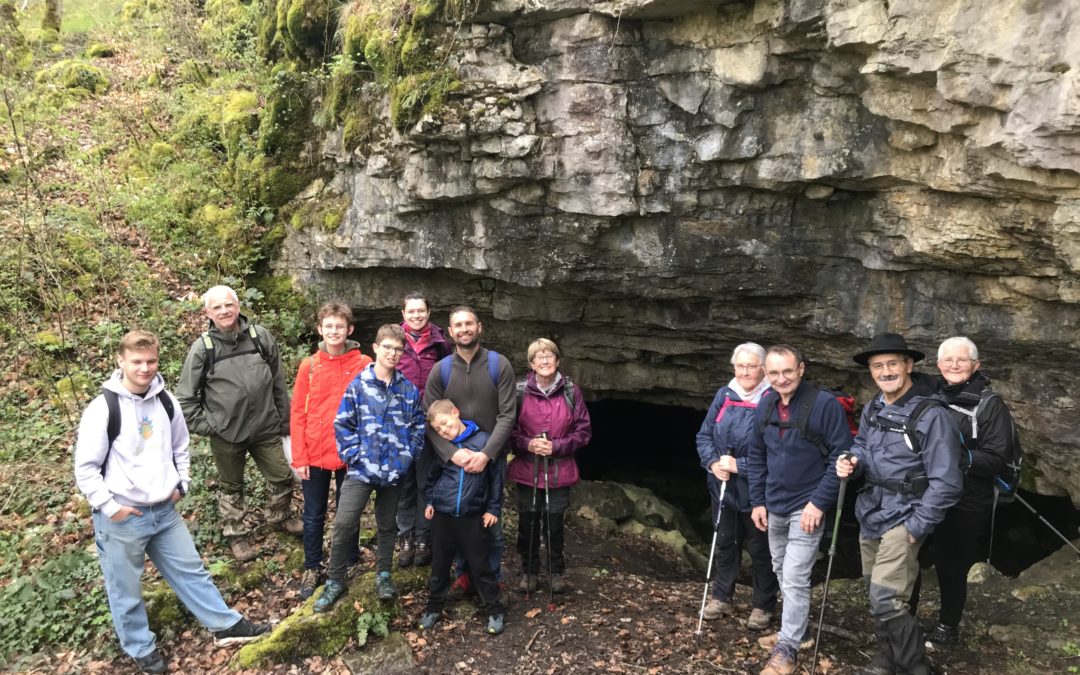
(1006, 482)
(908, 427)
(847, 402)
(112, 429)
(210, 359)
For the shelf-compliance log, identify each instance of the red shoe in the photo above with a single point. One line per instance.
(461, 588)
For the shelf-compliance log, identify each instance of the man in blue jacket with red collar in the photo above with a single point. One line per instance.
(802, 430)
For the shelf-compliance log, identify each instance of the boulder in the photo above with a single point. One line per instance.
(598, 501)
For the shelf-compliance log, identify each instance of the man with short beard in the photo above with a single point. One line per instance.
(912, 478)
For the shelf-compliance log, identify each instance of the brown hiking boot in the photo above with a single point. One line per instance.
(558, 583)
(716, 608)
(293, 526)
(770, 641)
(781, 662)
(309, 582)
(759, 619)
(242, 550)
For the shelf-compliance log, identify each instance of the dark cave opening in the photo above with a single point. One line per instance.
(654, 446)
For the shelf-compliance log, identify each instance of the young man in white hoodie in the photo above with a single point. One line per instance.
(133, 472)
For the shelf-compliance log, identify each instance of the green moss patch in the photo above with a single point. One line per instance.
(77, 76)
(99, 50)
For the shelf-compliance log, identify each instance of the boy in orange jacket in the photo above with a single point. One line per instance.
(320, 384)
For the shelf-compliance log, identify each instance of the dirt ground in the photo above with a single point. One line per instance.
(632, 607)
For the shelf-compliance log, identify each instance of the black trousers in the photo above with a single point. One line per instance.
(958, 543)
(533, 520)
(738, 530)
(449, 535)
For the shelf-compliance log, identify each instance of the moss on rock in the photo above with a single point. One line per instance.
(99, 50)
(305, 633)
(163, 609)
(161, 153)
(77, 76)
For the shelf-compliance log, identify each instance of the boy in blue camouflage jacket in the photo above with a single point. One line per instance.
(380, 432)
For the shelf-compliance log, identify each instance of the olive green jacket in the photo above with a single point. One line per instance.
(245, 398)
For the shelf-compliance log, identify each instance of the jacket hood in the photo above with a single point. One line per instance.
(242, 323)
(556, 385)
(350, 345)
(966, 393)
(115, 384)
(469, 430)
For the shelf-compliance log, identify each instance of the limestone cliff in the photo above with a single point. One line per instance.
(651, 182)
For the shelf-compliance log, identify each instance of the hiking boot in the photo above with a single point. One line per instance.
(153, 662)
(716, 608)
(423, 554)
(309, 582)
(942, 637)
(881, 663)
(240, 632)
(528, 583)
(781, 662)
(759, 619)
(293, 526)
(558, 583)
(330, 594)
(461, 587)
(384, 587)
(428, 620)
(242, 550)
(772, 640)
(406, 551)
(495, 624)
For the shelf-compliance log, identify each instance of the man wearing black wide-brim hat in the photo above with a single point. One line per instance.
(908, 450)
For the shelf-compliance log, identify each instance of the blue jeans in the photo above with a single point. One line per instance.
(793, 554)
(496, 546)
(316, 495)
(160, 533)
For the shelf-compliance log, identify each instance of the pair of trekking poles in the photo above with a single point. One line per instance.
(532, 524)
(828, 571)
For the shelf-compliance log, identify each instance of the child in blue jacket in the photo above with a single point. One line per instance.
(460, 505)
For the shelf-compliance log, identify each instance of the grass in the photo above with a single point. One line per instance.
(80, 17)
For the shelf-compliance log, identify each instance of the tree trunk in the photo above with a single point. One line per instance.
(53, 13)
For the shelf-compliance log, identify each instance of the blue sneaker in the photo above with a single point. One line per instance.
(384, 587)
(330, 594)
(495, 624)
(428, 620)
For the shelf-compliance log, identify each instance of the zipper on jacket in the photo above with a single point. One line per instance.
(460, 485)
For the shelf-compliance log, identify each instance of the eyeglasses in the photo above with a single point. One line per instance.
(950, 362)
(545, 357)
(886, 365)
(747, 368)
(392, 349)
(776, 374)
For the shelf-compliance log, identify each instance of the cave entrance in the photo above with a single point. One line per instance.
(651, 446)
(654, 446)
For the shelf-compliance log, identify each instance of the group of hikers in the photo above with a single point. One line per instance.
(931, 454)
(435, 423)
(429, 429)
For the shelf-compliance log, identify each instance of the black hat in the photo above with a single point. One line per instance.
(887, 343)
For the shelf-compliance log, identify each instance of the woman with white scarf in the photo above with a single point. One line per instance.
(722, 445)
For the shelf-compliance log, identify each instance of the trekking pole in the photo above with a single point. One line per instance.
(547, 514)
(712, 551)
(1046, 522)
(532, 526)
(828, 569)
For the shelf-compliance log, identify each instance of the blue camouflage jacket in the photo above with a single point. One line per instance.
(379, 427)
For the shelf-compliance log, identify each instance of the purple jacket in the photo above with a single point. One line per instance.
(415, 367)
(570, 430)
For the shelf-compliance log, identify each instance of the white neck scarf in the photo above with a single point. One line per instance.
(752, 396)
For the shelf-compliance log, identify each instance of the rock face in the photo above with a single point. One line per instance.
(652, 182)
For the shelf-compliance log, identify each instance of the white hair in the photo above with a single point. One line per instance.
(751, 348)
(959, 341)
(217, 290)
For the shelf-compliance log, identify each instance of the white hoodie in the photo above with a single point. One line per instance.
(149, 458)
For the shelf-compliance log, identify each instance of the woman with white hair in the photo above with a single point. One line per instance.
(722, 444)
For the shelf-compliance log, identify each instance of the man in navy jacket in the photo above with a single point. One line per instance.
(790, 489)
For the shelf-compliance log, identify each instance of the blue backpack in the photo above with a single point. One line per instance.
(446, 368)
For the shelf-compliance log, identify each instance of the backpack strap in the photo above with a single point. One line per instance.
(310, 361)
(259, 346)
(801, 423)
(493, 367)
(568, 393)
(445, 366)
(207, 364)
(166, 402)
(913, 419)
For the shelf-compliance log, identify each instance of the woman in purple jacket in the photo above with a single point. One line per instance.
(552, 425)
(424, 346)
